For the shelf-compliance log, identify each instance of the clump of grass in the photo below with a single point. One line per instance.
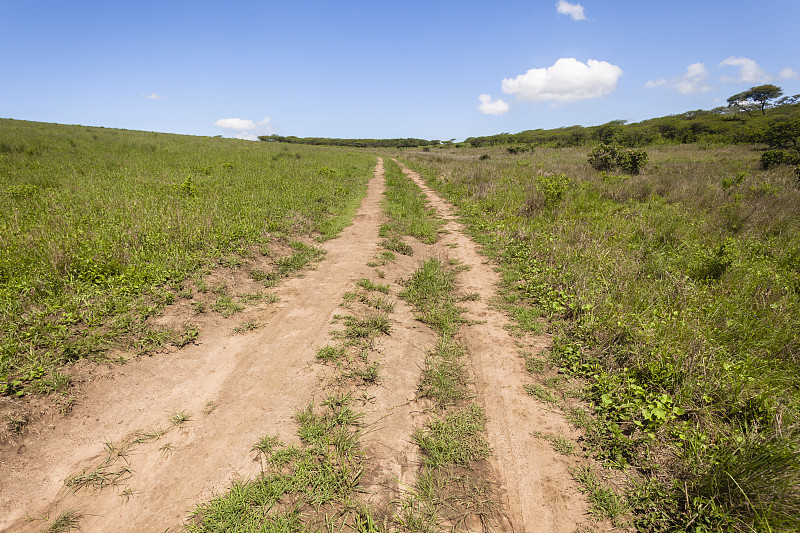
(605, 503)
(444, 378)
(370, 285)
(178, 418)
(245, 326)
(301, 488)
(225, 306)
(560, 444)
(430, 291)
(330, 353)
(455, 439)
(66, 521)
(406, 208)
(540, 393)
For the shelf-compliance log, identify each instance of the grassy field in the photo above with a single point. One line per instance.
(675, 294)
(100, 228)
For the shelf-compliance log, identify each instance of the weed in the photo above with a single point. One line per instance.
(65, 521)
(225, 306)
(560, 444)
(245, 326)
(540, 393)
(605, 503)
(179, 418)
(330, 353)
(369, 285)
(455, 439)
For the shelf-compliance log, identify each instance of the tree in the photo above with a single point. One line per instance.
(763, 94)
(783, 133)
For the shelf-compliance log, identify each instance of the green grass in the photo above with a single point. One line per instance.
(102, 227)
(66, 521)
(405, 206)
(301, 488)
(675, 294)
(430, 291)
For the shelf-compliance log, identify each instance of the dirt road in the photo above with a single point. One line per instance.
(204, 406)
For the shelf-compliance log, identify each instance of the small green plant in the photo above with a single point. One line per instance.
(187, 188)
(369, 285)
(245, 326)
(65, 521)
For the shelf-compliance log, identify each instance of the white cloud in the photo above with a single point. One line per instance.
(692, 82)
(568, 80)
(246, 128)
(153, 96)
(788, 74)
(749, 71)
(489, 107)
(238, 124)
(573, 10)
(247, 136)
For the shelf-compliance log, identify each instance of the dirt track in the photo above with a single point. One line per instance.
(237, 388)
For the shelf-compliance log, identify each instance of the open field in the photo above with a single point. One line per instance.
(315, 338)
(676, 295)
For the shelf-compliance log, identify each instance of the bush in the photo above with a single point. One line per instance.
(773, 158)
(632, 161)
(603, 157)
(609, 156)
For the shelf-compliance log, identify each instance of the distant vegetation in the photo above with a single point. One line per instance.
(101, 227)
(353, 143)
(675, 294)
(752, 117)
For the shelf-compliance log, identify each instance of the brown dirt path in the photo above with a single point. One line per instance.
(236, 389)
(541, 494)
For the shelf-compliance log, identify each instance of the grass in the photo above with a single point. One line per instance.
(66, 521)
(448, 489)
(675, 295)
(301, 488)
(405, 206)
(102, 227)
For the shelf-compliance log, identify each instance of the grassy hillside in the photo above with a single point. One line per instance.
(675, 294)
(100, 227)
(716, 127)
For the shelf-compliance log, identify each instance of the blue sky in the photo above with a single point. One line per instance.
(435, 70)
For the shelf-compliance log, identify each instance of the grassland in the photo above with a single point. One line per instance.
(675, 294)
(101, 229)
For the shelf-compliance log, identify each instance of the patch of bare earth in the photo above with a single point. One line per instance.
(539, 492)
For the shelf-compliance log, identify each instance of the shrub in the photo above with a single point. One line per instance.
(603, 157)
(773, 158)
(632, 161)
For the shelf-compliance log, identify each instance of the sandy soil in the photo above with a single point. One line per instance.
(238, 388)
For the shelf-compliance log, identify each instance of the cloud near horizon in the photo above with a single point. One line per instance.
(568, 80)
(492, 107)
(153, 96)
(246, 128)
(692, 82)
(573, 10)
(749, 71)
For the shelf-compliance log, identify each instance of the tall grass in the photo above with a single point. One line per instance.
(100, 226)
(676, 293)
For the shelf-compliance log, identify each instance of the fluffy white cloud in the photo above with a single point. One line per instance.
(492, 107)
(573, 10)
(239, 124)
(749, 71)
(788, 74)
(247, 136)
(568, 80)
(692, 82)
(246, 128)
(153, 96)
